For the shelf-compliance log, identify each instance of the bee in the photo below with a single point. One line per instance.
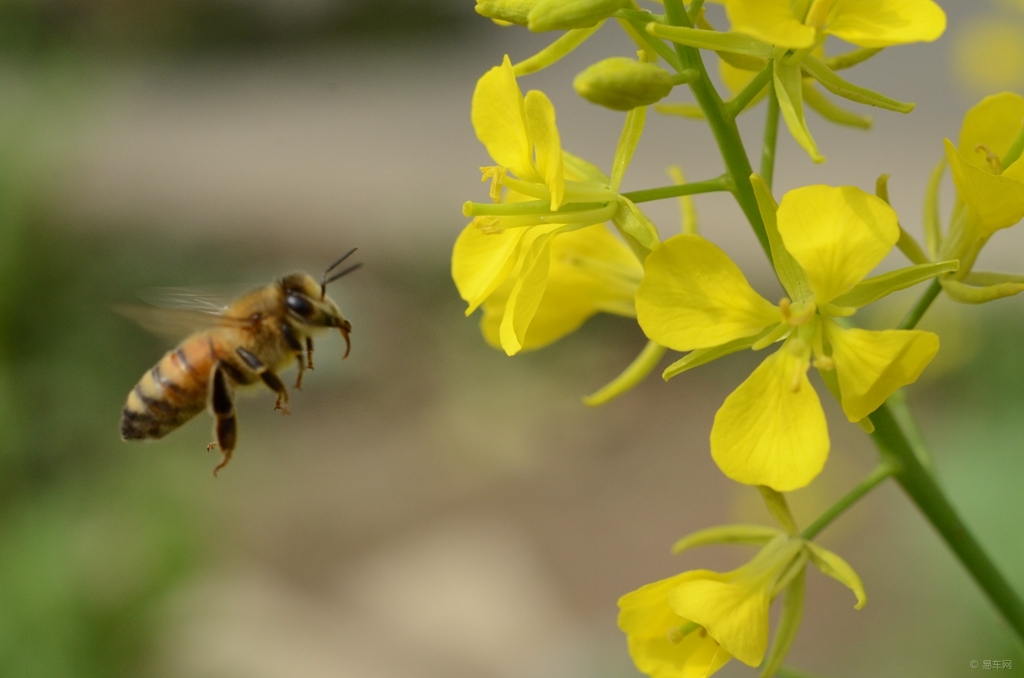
(242, 344)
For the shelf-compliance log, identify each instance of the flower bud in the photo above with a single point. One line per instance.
(622, 84)
(554, 15)
(512, 11)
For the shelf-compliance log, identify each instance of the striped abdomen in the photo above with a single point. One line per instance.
(171, 393)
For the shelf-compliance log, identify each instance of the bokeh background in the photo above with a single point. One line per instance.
(431, 507)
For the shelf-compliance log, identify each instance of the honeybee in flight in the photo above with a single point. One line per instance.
(248, 341)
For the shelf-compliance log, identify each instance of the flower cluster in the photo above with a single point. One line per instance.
(559, 242)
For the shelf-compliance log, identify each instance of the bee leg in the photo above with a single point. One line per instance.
(224, 412)
(309, 352)
(291, 338)
(275, 384)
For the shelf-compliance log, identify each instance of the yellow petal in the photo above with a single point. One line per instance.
(871, 365)
(735, 615)
(991, 127)
(646, 618)
(481, 262)
(767, 434)
(881, 23)
(540, 125)
(591, 271)
(771, 21)
(499, 119)
(837, 235)
(693, 296)
(997, 201)
(526, 294)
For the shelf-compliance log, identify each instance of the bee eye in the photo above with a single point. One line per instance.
(299, 304)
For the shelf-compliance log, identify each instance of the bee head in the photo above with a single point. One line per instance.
(307, 303)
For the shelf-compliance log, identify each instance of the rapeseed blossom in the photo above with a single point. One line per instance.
(771, 430)
(790, 32)
(691, 624)
(542, 193)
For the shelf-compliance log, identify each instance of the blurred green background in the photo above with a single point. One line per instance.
(431, 507)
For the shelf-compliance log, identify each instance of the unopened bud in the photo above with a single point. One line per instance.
(512, 11)
(622, 84)
(563, 15)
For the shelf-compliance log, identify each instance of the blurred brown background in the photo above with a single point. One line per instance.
(431, 507)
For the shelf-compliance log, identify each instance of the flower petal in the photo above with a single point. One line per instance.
(526, 294)
(881, 23)
(730, 612)
(482, 261)
(540, 125)
(991, 127)
(768, 434)
(693, 296)
(997, 201)
(871, 365)
(499, 119)
(645, 617)
(837, 235)
(591, 271)
(771, 21)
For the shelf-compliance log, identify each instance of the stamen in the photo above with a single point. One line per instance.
(991, 158)
(786, 306)
(818, 13)
(495, 173)
(488, 225)
(675, 635)
(825, 363)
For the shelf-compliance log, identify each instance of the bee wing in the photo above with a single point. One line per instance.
(173, 323)
(203, 300)
(176, 312)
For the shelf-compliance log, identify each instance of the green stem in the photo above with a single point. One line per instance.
(736, 105)
(676, 190)
(724, 129)
(920, 306)
(771, 135)
(930, 499)
(694, 10)
(881, 472)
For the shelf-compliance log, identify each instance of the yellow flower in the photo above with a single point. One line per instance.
(800, 24)
(771, 430)
(691, 624)
(542, 193)
(994, 195)
(662, 643)
(591, 271)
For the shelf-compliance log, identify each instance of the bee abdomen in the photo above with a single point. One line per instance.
(167, 396)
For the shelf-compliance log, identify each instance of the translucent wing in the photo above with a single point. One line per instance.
(176, 312)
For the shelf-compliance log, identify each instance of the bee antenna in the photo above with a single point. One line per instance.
(323, 284)
(334, 277)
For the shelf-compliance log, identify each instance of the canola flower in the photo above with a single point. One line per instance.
(785, 35)
(771, 430)
(693, 623)
(541, 258)
(541, 193)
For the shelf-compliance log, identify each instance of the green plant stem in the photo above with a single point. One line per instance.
(923, 490)
(1016, 148)
(881, 472)
(724, 129)
(736, 105)
(922, 304)
(675, 190)
(771, 136)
